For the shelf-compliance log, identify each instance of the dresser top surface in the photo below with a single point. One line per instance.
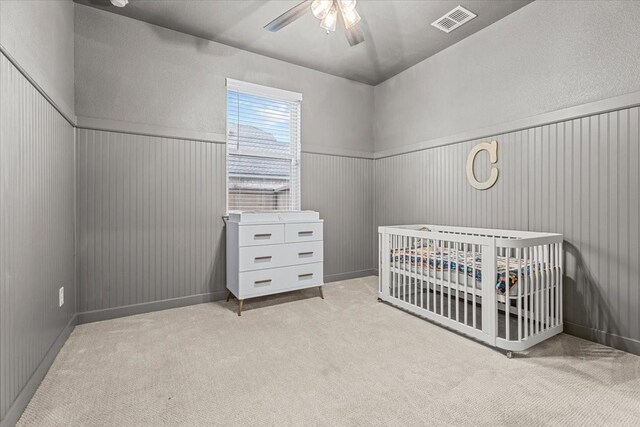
(266, 217)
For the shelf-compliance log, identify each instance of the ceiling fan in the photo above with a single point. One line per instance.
(328, 12)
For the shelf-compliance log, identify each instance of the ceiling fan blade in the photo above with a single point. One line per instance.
(288, 17)
(354, 35)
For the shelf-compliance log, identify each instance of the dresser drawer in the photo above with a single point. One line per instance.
(304, 253)
(267, 234)
(273, 256)
(303, 232)
(273, 280)
(261, 257)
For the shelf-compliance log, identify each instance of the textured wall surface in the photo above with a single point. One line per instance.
(131, 71)
(544, 57)
(37, 199)
(578, 177)
(341, 189)
(38, 34)
(150, 217)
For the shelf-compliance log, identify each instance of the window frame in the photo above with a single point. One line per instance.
(275, 94)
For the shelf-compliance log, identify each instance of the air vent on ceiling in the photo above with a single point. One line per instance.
(453, 19)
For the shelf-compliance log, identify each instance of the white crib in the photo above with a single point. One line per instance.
(501, 287)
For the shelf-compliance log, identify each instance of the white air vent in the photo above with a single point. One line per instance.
(453, 19)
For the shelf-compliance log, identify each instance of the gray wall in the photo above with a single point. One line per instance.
(37, 209)
(547, 56)
(148, 233)
(150, 219)
(578, 177)
(38, 35)
(133, 72)
(549, 62)
(341, 189)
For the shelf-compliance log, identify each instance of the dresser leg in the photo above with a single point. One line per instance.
(321, 293)
(240, 302)
(228, 296)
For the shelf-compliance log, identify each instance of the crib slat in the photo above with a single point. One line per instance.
(432, 275)
(465, 248)
(532, 316)
(557, 282)
(561, 291)
(441, 277)
(404, 269)
(507, 294)
(448, 280)
(474, 281)
(527, 299)
(393, 264)
(548, 249)
(396, 267)
(536, 250)
(457, 276)
(553, 285)
(532, 291)
(414, 270)
(421, 273)
(547, 292)
(519, 285)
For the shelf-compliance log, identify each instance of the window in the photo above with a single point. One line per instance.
(263, 147)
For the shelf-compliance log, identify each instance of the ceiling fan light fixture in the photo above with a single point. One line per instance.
(119, 3)
(347, 4)
(330, 20)
(350, 17)
(320, 8)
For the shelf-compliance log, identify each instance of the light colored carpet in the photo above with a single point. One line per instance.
(347, 360)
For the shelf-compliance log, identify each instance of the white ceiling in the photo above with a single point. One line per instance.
(398, 33)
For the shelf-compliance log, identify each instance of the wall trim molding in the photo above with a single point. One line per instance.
(65, 111)
(118, 126)
(584, 110)
(601, 337)
(148, 307)
(157, 131)
(346, 276)
(22, 400)
(338, 152)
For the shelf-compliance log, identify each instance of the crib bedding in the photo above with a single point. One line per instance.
(442, 259)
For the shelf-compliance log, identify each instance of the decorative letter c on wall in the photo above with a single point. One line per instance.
(492, 148)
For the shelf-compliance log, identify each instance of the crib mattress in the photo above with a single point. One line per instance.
(438, 261)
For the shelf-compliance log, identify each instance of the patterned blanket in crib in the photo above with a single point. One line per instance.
(443, 259)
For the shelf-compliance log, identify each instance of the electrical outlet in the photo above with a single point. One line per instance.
(61, 297)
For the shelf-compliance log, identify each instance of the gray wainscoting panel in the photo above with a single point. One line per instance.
(149, 219)
(37, 199)
(578, 177)
(341, 189)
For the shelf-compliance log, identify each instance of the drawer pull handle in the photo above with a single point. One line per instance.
(305, 233)
(263, 258)
(262, 236)
(305, 276)
(262, 282)
(305, 254)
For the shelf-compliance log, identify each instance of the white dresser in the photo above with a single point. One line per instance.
(273, 252)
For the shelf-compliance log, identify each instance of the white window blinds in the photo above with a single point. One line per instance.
(263, 148)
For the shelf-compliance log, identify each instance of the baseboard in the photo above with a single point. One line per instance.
(17, 408)
(147, 307)
(605, 338)
(346, 276)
